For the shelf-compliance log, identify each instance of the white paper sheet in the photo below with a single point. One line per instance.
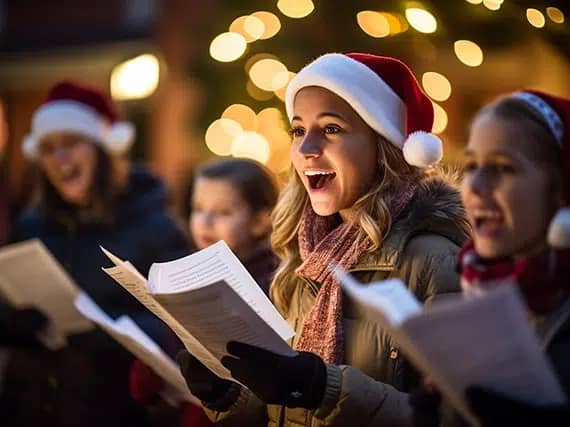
(31, 276)
(213, 264)
(486, 341)
(136, 284)
(125, 331)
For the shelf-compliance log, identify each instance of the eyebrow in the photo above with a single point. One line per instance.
(504, 154)
(324, 114)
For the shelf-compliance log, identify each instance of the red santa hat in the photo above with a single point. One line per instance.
(556, 114)
(386, 95)
(76, 108)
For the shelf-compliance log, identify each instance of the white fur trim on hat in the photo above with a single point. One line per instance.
(422, 149)
(559, 230)
(370, 96)
(73, 116)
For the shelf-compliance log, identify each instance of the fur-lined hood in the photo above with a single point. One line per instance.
(435, 209)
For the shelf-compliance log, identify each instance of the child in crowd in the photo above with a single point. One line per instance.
(231, 200)
(516, 191)
(363, 193)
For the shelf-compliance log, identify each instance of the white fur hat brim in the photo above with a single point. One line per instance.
(337, 73)
(372, 99)
(76, 117)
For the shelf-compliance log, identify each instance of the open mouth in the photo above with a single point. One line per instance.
(487, 220)
(70, 173)
(318, 180)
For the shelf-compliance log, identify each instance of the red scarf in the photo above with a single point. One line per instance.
(322, 240)
(544, 280)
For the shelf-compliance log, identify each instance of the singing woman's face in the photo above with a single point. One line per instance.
(507, 195)
(334, 151)
(69, 161)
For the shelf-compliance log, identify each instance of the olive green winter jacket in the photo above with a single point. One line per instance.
(370, 387)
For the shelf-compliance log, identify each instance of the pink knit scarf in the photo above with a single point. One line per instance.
(322, 240)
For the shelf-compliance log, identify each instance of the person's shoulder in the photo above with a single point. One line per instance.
(26, 224)
(431, 244)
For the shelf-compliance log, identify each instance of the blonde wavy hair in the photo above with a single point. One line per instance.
(371, 214)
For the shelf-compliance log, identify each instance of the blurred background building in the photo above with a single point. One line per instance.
(202, 78)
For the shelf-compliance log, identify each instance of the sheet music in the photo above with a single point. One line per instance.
(214, 264)
(486, 341)
(507, 357)
(137, 286)
(31, 276)
(216, 314)
(393, 299)
(125, 331)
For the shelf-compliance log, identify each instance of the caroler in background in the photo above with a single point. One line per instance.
(516, 191)
(90, 195)
(230, 200)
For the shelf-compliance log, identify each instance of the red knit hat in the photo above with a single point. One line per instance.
(556, 113)
(386, 95)
(72, 107)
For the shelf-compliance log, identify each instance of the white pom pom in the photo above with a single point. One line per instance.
(120, 137)
(30, 146)
(559, 230)
(422, 149)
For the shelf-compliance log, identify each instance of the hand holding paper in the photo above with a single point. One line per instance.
(508, 358)
(208, 299)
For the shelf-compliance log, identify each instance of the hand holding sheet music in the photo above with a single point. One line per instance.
(440, 342)
(30, 276)
(208, 299)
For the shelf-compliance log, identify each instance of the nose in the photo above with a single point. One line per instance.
(205, 218)
(480, 182)
(311, 146)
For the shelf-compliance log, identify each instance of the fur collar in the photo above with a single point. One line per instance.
(435, 209)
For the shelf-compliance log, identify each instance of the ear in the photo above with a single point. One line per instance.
(261, 223)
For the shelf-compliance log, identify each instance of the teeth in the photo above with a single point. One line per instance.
(486, 214)
(314, 173)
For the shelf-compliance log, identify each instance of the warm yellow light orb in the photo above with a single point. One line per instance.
(220, 136)
(535, 18)
(242, 114)
(492, 4)
(295, 8)
(373, 23)
(439, 119)
(254, 27)
(269, 74)
(136, 78)
(228, 47)
(555, 15)
(436, 86)
(271, 23)
(421, 20)
(251, 145)
(468, 52)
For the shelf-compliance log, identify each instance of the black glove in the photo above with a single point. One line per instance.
(21, 326)
(425, 403)
(296, 382)
(494, 410)
(214, 392)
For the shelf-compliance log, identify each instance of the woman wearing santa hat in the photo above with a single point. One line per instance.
(90, 196)
(363, 194)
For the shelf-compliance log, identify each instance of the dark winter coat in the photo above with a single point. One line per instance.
(86, 383)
